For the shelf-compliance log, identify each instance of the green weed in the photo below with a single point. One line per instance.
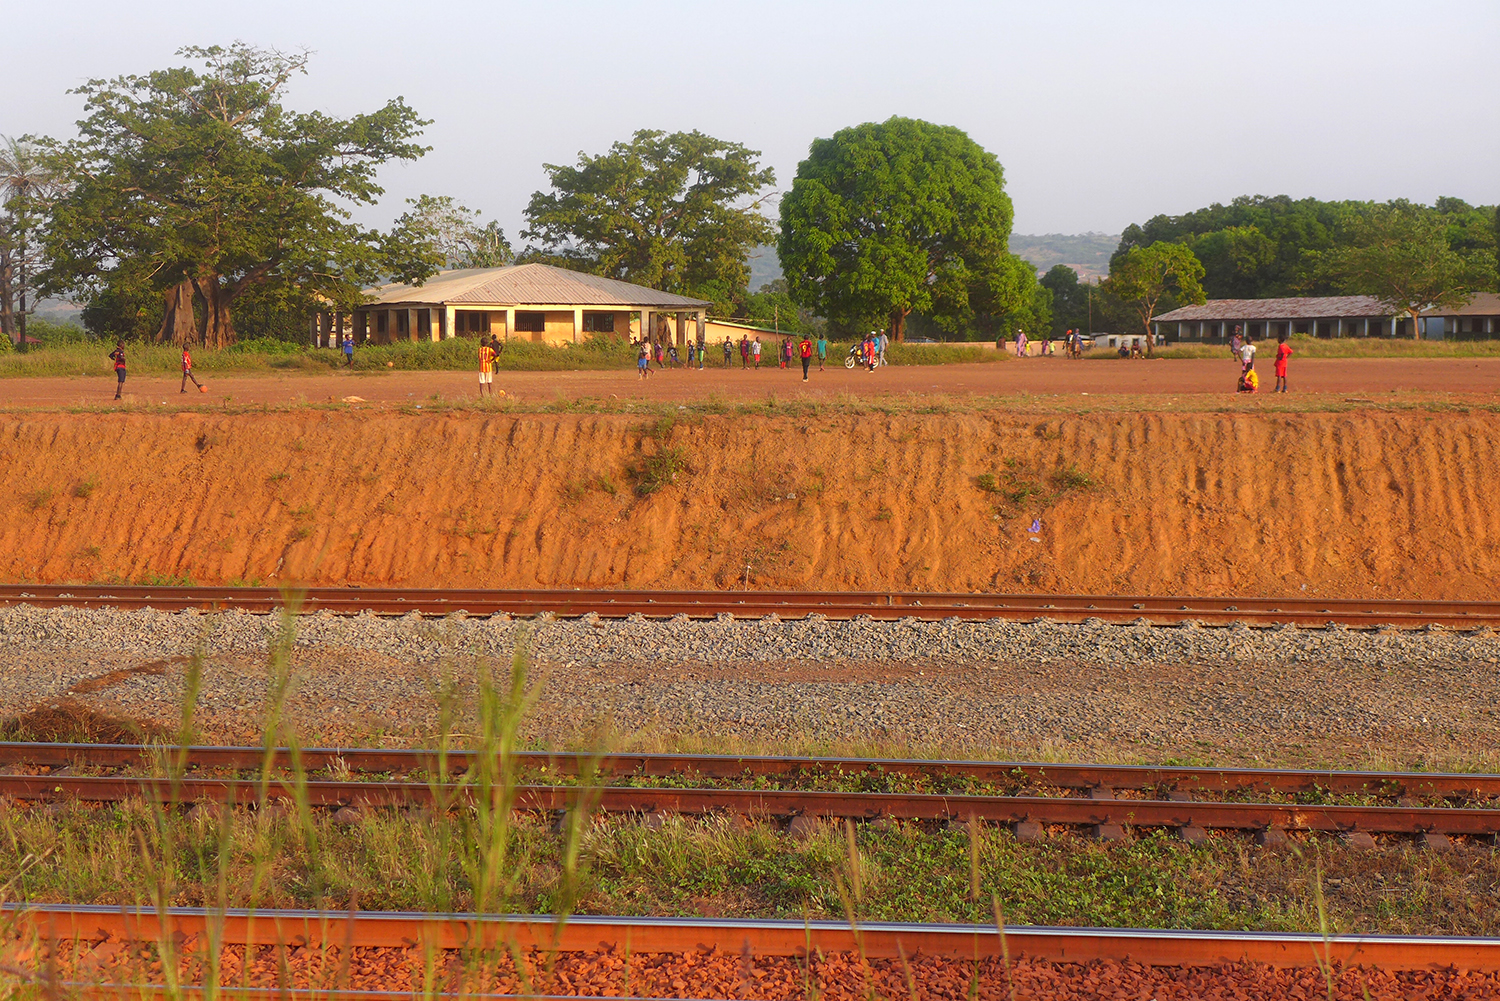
(83, 489)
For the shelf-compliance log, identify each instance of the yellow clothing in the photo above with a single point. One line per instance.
(486, 359)
(1252, 381)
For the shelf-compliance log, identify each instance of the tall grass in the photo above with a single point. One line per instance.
(158, 854)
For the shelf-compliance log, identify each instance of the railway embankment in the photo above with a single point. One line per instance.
(1360, 503)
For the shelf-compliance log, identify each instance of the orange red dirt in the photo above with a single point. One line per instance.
(1392, 504)
(1449, 378)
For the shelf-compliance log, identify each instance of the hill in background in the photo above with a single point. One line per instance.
(1086, 253)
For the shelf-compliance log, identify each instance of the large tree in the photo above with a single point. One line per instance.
(195, 185)
(1145, 274)
(439, 232)
(1406, 259)
(678, 212)
(886, 219)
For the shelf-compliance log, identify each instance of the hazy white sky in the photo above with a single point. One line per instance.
(1102, 114)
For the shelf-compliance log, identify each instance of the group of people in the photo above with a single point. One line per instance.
(1242, 349)
(118, 357)
(750, 349)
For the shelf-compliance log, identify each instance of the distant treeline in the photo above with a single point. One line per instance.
(1259, 247)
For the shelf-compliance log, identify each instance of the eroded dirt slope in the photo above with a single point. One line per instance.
(1363, 503)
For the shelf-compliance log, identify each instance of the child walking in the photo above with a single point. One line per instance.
(187, 372)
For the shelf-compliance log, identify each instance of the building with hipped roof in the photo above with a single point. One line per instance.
(1323, 316)
(534, 302)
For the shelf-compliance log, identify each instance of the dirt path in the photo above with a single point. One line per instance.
(1477, 378)
(1356, 503)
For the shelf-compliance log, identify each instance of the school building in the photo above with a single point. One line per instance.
(1323, 316)
(534, 302)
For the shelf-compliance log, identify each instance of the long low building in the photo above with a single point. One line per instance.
(534, 302)
(1322, 316)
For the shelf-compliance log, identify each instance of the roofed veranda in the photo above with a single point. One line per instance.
(535, 302)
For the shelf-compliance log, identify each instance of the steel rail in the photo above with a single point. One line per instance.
(778, 803)
(1169, 610)
(1165, 779)
(883, 940)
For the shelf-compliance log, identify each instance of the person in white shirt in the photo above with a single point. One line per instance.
(1247, 355)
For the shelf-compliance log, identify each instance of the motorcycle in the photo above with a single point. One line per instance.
(853, 357)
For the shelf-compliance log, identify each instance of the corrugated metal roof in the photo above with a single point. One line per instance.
(1305, 308)
(1483, 304)
(528, 285)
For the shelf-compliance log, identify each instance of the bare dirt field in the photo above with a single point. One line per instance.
(1361, 502)
(1467, 378)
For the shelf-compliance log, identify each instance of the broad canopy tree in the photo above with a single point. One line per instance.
(1406, 259)
(1143, 275)
(886, 219)
(197, 185)
(678, 212)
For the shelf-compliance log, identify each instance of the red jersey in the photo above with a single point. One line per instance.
(187, 361)
(1283, 352)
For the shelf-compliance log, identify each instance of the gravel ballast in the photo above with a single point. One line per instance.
(1331, 695)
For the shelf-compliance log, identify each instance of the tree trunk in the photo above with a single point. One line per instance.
(216, 326)
(1416, 329)
(898, 324)
(21, 288)
(5, 300)
(178, 326)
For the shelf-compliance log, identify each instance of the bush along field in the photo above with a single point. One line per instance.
(82, 355)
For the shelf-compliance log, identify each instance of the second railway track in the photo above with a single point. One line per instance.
(1359, 613)
(1170, 802)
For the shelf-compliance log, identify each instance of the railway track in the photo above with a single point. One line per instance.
(745, 938)
(1171, 803)
(1357, 613)
(1164, 779)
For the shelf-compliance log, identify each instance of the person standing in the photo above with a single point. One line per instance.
(692, 353)
(643, 359)
(1235, 343)
(822, 350)
(728, 352)
(187, 372)
(1283, 352)
(883, 341)
(744, 352)
(348, 350)
(1020, 343)
(1247, 355)
(782, 352)
(486, 366)
(806, 350)
(118, 357)
(702, 350)
(755, 350)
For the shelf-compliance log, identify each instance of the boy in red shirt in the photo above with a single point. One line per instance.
(1283, 352)
(187, 372)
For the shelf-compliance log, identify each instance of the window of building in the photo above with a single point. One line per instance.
(531, 323)
(380, 321)
(475, 321)
(401, 318)
(599, 323)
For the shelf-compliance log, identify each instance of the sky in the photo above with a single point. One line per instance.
(1102, 114)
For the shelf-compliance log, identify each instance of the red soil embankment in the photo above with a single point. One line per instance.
(1336, 504)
